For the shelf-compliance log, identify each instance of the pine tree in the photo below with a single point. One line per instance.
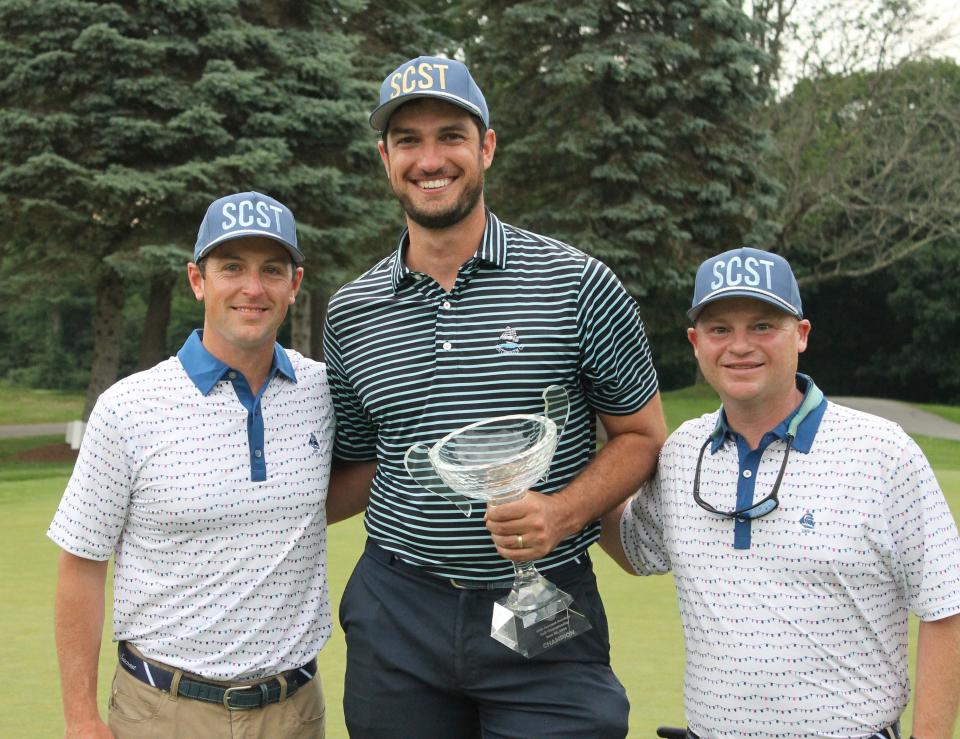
(623, 128)
(122, 120)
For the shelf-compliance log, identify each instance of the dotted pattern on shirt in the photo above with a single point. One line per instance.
(410, 363)
(805, 632)
(214, 574)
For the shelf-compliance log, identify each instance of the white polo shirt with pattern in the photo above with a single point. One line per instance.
(212, 500)
(796, 623)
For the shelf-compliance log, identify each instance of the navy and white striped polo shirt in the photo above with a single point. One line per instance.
(408, 363)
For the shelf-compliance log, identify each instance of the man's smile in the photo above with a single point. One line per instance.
(250, 309)
(435, 184)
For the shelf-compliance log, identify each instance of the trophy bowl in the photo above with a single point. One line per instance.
(497, 459)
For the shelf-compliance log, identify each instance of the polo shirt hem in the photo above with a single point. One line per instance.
(72, 547)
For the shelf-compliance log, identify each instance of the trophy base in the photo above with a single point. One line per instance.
(536, 617)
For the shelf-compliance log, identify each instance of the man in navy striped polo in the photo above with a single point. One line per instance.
(470, 318)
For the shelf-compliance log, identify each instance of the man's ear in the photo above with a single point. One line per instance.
(803, 329)
(196, 280)
(489, 147)
(297, 279)
(693, 338)
(384, 156)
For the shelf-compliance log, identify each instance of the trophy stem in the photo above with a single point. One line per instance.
(536, 614)
(525, 574)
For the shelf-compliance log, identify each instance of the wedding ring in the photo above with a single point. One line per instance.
(519, 541)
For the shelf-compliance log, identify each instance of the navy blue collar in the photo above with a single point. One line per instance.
(206, 370)
(813, 406)
(493, 250)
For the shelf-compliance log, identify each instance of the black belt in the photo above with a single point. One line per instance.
(380, 554)
(235, 698)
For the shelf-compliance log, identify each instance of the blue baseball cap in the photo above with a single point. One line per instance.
(747, 273)
(429, 77)
(247, 214)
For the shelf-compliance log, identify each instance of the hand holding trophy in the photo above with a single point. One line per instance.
(496, 461)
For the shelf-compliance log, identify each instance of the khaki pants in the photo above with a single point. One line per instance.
(139, 711)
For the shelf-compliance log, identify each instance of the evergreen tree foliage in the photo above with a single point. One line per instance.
(388, 34)
(122, 120)
(898, 333)
(391, 33)
(624, 127)
(926, 302)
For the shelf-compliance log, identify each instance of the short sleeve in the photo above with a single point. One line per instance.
(616, 363)
(641, 532)
(93, 509)
(925, 537)
(356, 438)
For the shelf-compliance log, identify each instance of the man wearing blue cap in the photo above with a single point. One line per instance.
(800, 534)
(206, 477)
(470, 318)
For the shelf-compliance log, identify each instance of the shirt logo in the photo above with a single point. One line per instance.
(806, 520)
(313, 442)
(509, 342)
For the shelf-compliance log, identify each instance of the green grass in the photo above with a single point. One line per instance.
(950, 412)
(645, 633)
(943, 454)
(691, 402)
(25, 405)
(644, 625)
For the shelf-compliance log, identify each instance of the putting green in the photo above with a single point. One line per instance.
(645, 631)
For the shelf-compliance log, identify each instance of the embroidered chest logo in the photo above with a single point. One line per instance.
(509, 342)
(313, 442)
(806, 520)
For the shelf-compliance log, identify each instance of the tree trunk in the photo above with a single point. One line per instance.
(300, 328)
(319, 309)
(56, 326)
(107, 323)
(153, 337)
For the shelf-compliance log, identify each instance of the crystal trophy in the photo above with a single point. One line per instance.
(496, 461)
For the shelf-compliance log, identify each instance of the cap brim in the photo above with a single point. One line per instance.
(743, 292)
(294, 252)
(381, 116)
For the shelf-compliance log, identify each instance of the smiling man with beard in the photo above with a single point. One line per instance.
(470, 318)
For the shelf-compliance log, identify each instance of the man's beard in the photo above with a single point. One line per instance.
(443, 219)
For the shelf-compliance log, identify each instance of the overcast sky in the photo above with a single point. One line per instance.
(947, 16)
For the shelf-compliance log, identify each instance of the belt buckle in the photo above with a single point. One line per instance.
(226, 698)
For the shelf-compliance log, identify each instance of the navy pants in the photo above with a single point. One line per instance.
(421, 662)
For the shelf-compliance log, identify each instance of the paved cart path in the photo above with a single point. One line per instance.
(913, 420)
(8, 431)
